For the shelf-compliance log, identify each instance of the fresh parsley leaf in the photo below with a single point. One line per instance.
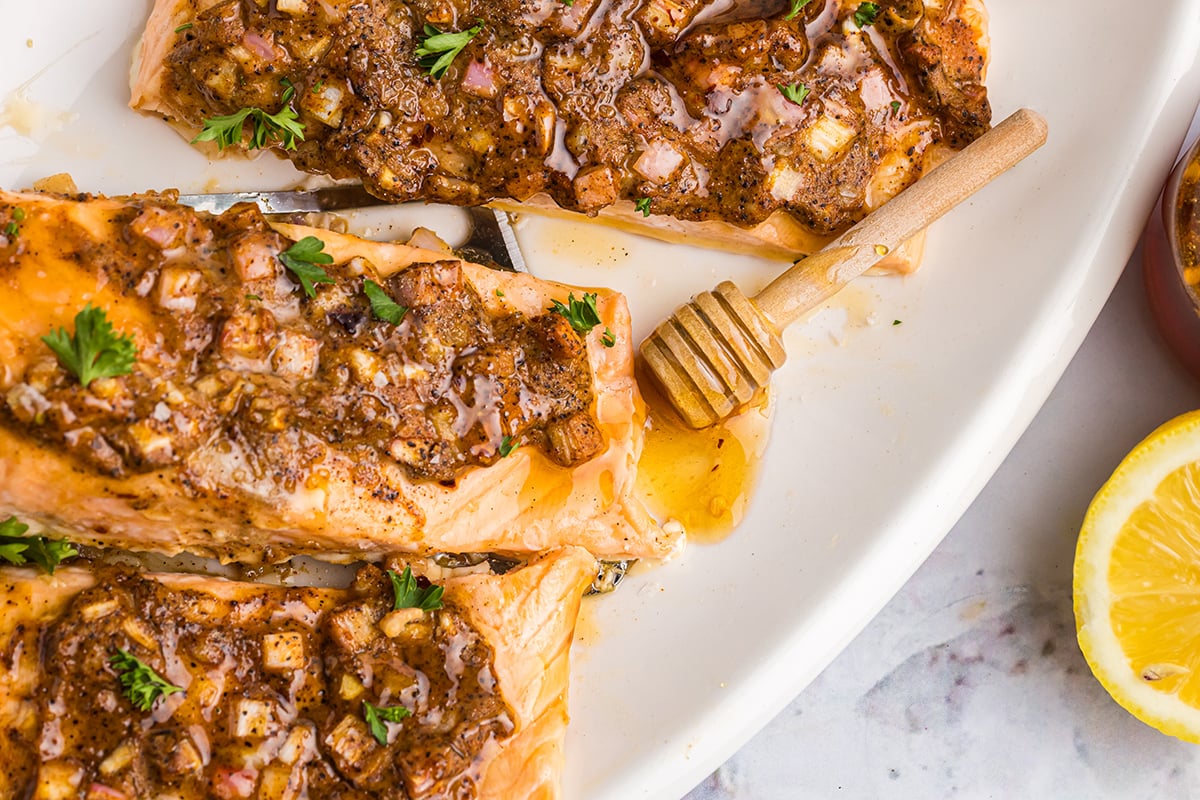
(895, 104)
(507, 445)
(409, 595)
(865, 14)
(437, 50)
(18, 214)
(608, 338)
(185, 26)
(142, 685)
(896, 322)
(284, 125)
(643, 205)
(95, 351)
(499, 293)
(795, 92)
(797, 5)
(11, 229)
(17, 548)
(375, 715)
(582, 314)
(302, 259)
(382, 306)
(254, 297)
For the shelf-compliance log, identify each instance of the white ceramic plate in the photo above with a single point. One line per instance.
(884, 433)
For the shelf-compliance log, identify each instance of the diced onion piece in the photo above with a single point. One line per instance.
(293, 7)
(138, 631)
(828, 137)
(58, 780)
(177, 289)
(253, 718)
(783, 182)
(254, 256)
(327, 104)
(350, 740)
(278, 782)
(222, 81)
(98, 791)
(479, 79)
(893, 174)
(120, 758)
(296, 356)
(351, 687)
(658, 161)
(98, 610)
(353, 627)
(300, 745)
(283, 652)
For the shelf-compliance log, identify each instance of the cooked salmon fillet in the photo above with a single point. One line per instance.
(766, 126)
(272, 686)
(259, 422)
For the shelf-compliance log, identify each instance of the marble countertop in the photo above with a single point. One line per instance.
(970, 682)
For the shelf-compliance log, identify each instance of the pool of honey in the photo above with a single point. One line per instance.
(703, 479)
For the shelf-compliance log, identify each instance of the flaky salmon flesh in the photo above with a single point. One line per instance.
(276, 693)
(268, 414)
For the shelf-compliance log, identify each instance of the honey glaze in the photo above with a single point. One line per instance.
(703, 479)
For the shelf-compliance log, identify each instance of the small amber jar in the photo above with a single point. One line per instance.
(1171, 253)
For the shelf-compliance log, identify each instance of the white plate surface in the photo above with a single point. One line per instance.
(883, 433)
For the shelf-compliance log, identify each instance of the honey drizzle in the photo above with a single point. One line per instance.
(703, 479)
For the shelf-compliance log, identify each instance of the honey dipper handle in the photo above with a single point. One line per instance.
(823, 274)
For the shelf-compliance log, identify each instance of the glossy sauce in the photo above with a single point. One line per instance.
(703, 479)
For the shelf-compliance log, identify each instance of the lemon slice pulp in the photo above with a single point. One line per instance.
(1137, 580)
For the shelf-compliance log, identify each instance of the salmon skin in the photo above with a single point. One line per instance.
(259, 422)
(266, 689)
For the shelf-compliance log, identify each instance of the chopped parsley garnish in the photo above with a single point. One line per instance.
(797, 5)
(499, 293)
(896, 322)
(382, 306)
(409, 595)
(185, 26)
(643, 205)
(582, 314)
(17, 548)
(302, 259)
(375, 716)
(14, 227)
(95, 350)
(895, 104)
(865, 14)
(507, 445)
(284, 125)
(437, 50)
(142, 685)
(608, 338)
(253, 297)
(795, 92)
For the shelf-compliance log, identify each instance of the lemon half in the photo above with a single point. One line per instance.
(1137, 580)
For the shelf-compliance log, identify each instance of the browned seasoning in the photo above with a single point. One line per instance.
(242, 355)
(273, 683)
(599, 100)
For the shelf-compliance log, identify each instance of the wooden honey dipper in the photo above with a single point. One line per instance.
(714, 353)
